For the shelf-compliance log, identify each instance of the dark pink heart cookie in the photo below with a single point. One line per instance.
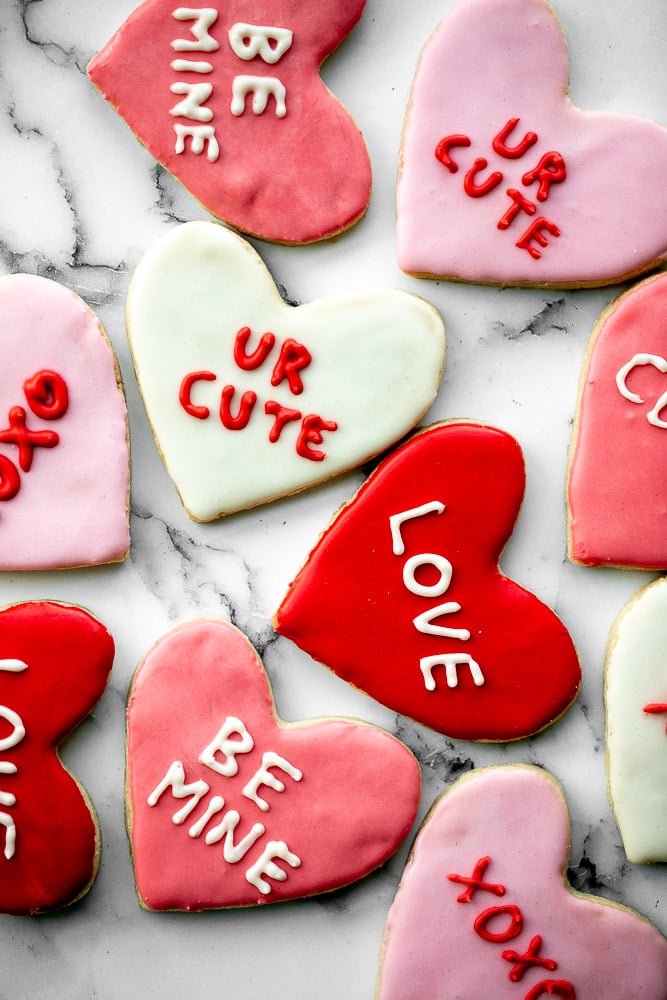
(229, 99)
(230, 806)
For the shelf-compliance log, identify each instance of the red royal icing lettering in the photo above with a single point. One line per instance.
(236, 422)
(47, 395)
(550, 170)
(248, 362)
(512, 930)
(10, 481)
(444, 146)
(529, 959)
(536, 232)
(26, 440)
(310, 434)
(293, 358)
(184, 395)
(519, 204)
(470, 185)
(283, 415)
(512, 152)
(552, 988)
(656, 709)
(475, 882)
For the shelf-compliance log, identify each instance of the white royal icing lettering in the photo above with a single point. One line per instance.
(262, 88)
(8, 799)
(264, 777)
(397, 520)
(175, 779)
(190, 66)
(200, 134)
(196, 94)
(655, 361)
(251, 40)
(450, 661)
(222, 743)
(264, 866)
(424, 622)
(231, 852)
(204, 18)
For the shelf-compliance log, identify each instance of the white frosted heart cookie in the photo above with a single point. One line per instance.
(636, 723)
(503, 180)
(251, 399)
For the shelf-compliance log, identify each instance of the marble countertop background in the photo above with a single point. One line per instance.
(80, 202)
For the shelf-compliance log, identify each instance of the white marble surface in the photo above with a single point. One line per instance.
(80, 201)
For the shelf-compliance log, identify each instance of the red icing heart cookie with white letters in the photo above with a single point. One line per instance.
(503, 180)
(230, 806)
(64, 457)
(54, 665)
(403, 596)
(250, 398)
(483, 910)
(229, 99)
(617, 476)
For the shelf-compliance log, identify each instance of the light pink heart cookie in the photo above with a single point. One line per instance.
(64, 455)
(230, 806)
(617, 476)
(483, 909)
(503, 180)
(229, 99)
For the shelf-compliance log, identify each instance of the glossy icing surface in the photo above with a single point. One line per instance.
(229, 99)
(617, 479)
(485, 879)
(527, 188)
(261, 398)
(636, 707)
(55, 660)
(64, 461)
(490, 662)
(330, 799)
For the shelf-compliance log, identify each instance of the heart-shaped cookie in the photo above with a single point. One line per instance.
(502, 180)
(636, 713)
(403, 596)
(617, 478)
(55, 660)
(483, 910)
(250, 398)
(64, 458)
(230, 806)
(229, 99)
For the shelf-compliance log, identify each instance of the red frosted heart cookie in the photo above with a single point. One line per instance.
(403, 596)
(54, 665)
(503, 180)
(617, 479)
(485, 882)
(229, 99)
(250, 398)
(229, 806)
(64, 457)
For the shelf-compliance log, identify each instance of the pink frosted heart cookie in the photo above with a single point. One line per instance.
(483, 908)
(229, 806)
(617, 477)
(502, 180)
(54, 664)
(228, 97)
(64, 455)
(433, 628)
(636, 714)
(252, 399)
